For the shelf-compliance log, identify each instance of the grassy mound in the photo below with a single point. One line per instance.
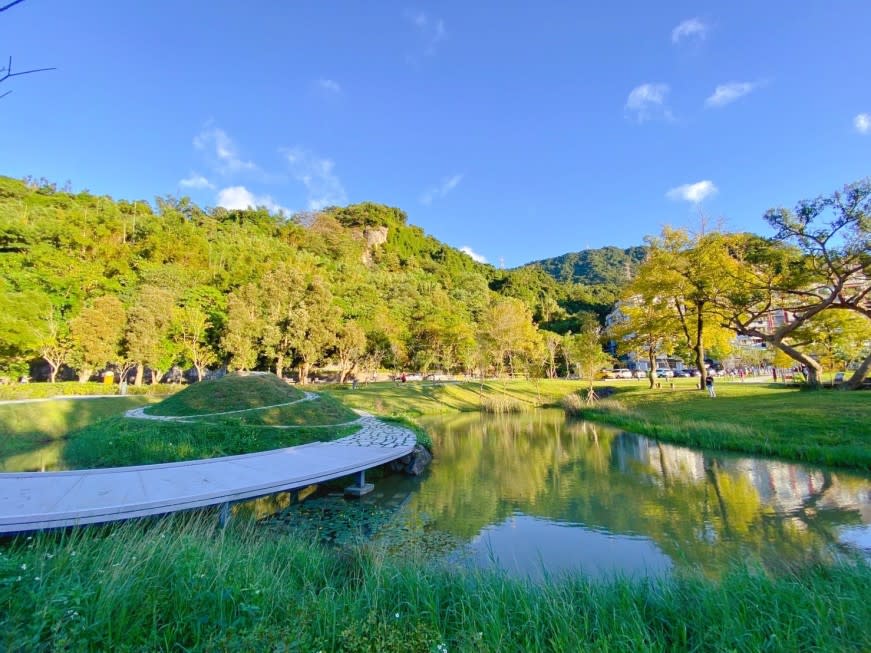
(232, 392)
(324, 410)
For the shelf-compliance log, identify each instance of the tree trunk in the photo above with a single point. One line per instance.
(813, 367)
(279, 366)
(52, 374)
(199, 369)
(84, 375)
(651, 361)
(303, 372)
(140, 372)
(155, 376)
(855, 381)
(699, 349)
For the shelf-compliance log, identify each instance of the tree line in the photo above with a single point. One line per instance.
(88, 281)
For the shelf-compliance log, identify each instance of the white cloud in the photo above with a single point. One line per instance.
(726, 93)
(446, 186)
(215, 143)
(329, 85)
(196, 181)
(862, 123)
(690, 28)
(694, 193)
(465, 249)
(430, 31)
(316, 174)
(239, 197)
(647, 101)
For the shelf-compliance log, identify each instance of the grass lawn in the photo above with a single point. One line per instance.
(119, 441)
(26, 426)
(415, 399)
(826, 426)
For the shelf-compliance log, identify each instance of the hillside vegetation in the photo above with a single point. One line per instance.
(87, 280)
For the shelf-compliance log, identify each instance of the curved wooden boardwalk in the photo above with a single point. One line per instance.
(32, 501)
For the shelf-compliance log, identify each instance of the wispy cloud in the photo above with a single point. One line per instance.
(329, 85)
(239, 197)
(321, 183)
(647, 102)
(465, 249)
(215, 143)
(430, 30)
(862, 123)
(727, 93)
(694, 193)
(692, 28)
(446, 186)
(196, 181)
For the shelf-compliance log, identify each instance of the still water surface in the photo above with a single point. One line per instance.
(537, 493)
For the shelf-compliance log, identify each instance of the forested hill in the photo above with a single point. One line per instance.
(87, 280)
(610, 266)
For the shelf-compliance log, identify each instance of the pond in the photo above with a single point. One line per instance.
(537, 494)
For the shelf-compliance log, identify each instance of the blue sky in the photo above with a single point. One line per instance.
(518, 130)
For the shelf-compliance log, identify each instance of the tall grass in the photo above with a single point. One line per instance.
(180, 584)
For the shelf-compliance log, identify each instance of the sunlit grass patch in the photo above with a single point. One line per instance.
(231, 392)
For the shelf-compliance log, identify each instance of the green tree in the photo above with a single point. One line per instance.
(689, 273)
(147, 339)
(506, 329)
(244, 328)
(96, 335)
(190, 330)
(350, 347)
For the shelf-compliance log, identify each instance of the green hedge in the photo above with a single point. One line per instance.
(70, 388)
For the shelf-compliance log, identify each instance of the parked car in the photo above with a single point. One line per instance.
(622, 373)
(664, 373)
(639, 374)
(682, 374)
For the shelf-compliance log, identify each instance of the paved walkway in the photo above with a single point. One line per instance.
(38, 500)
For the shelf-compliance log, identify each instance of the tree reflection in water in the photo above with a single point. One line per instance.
(494, 472)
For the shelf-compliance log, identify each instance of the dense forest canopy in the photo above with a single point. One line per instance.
(170, 282)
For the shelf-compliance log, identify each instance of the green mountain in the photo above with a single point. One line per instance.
(609, 266)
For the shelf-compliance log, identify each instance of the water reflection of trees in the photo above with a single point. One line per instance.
(699, 508)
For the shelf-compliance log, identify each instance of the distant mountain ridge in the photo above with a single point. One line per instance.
(606, 265)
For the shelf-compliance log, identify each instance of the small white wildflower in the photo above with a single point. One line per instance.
(72, 553)
(37, 578)
(396, 615)
(49, 555)
(19, 578)
(24, 567)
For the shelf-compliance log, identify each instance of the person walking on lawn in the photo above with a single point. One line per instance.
(709, 384)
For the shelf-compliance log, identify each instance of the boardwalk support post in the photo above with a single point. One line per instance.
(224, 514)
(361, 487)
